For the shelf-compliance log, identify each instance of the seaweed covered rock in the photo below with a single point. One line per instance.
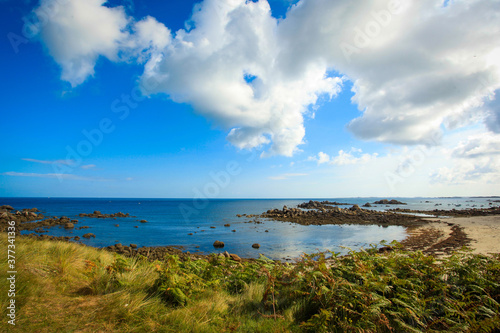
(218, 244)
(389, 202)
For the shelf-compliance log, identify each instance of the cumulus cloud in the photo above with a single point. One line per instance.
(351, 157)
(354, 156)
(76, 33)
(493, 119)
(477, 159)
(228, 68)
(416, 66)
(477, 147)
(320, 159)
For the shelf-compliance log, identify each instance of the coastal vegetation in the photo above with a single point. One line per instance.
(63, 286)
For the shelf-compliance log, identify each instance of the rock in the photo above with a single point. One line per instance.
(235, 257)
(136, 226)
(226, 254)
(227, 225)
(77, 238)
(134, 246)
(143, 221)
(238, 215)
(267, 231)
(89, 235)
(256, 245)
(96, 212)
(212, 227)
(367, 205)
(387, 202)
(7, 207)
(218, 244)
(354, 208)
(69, 226)
(117, 225)
(190, 234)
(385, 249)
(233, 230)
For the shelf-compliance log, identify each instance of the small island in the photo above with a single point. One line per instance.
(389, 202)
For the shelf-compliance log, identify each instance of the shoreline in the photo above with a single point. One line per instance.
(483, 231)
(478, 229)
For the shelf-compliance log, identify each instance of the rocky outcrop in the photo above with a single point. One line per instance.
(337, 215)
(453, 212)
(27, 219)
(323, 204)
(218, 244)
(98, 215)
(355, 208)
(89, 235)
(389, 202)
(256, 245)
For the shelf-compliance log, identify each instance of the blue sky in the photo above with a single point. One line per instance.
(345, 99)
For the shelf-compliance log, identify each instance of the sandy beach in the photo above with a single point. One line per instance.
(483, 232)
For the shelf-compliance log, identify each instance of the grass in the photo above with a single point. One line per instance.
(66, 287)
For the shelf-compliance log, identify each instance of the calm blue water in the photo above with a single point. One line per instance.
(170, 221)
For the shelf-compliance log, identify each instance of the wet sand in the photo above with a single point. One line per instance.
(483, 232)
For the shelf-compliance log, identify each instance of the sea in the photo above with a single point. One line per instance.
(194, 224)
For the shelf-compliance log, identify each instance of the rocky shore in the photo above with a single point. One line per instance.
(30, 219)
(321, 214)
(424, 234)
(453, 212)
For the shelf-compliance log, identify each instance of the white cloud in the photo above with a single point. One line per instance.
(354, 156)
(76, 33)
(493, 109)
(88, 166)
(320, 159)
(60, 176)
(415, 68)
(64, 162)
(211, 65)
(149, 39)
(476, 160)
(323, 158)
